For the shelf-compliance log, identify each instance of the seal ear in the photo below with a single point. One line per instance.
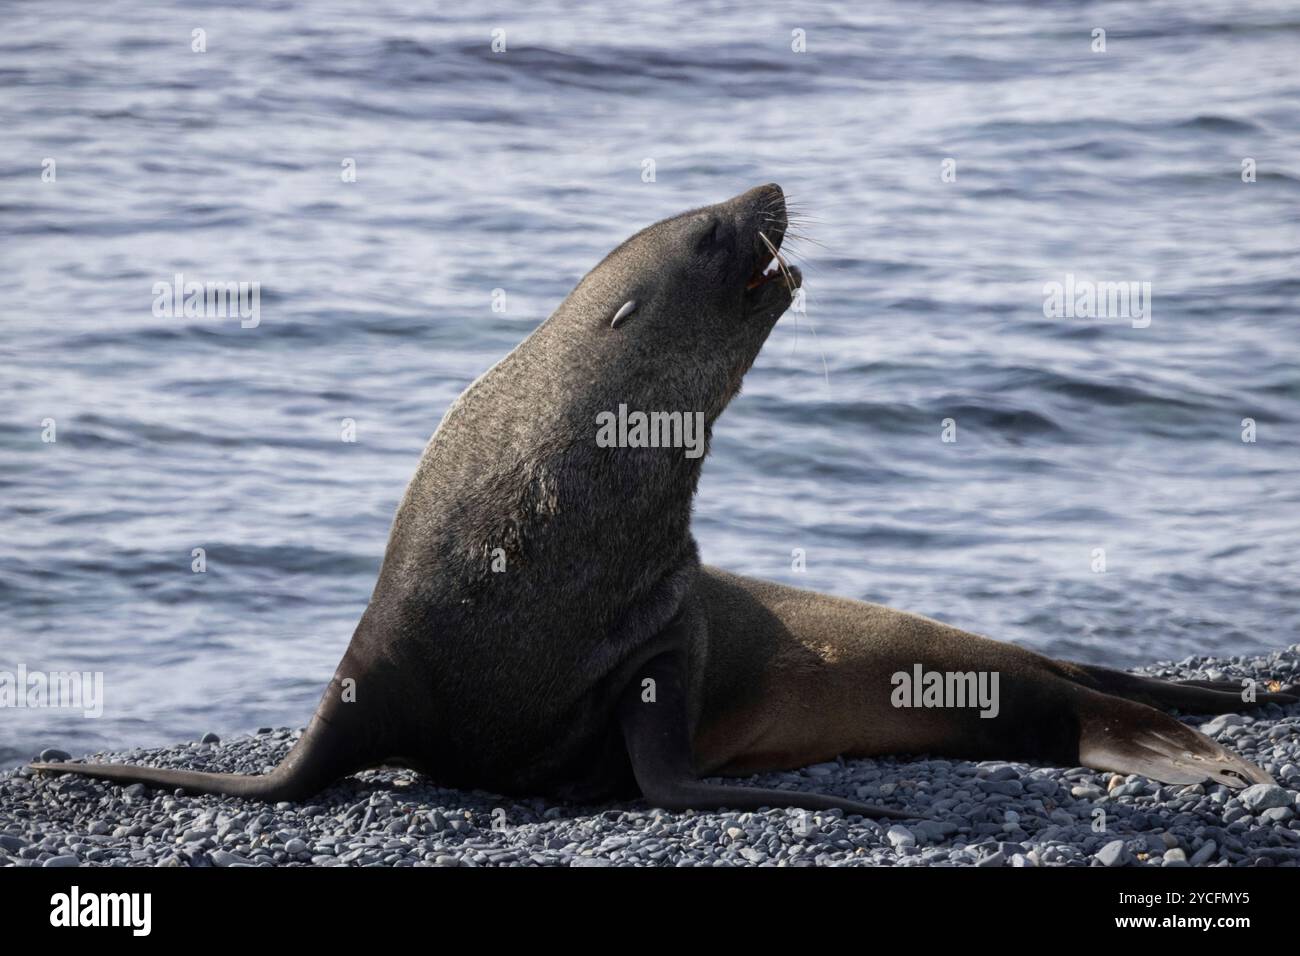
(711, 236)
(627, 309)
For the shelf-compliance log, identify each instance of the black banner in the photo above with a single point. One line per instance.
(372, 904)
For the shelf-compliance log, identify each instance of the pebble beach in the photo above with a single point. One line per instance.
(988, 814)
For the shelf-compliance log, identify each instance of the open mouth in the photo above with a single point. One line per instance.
(773, 267)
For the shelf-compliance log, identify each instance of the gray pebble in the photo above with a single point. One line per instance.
(1264, 796)
(901, 836)
(1112, 854)
(1216, 726)
(11, 843)
(1204, 854)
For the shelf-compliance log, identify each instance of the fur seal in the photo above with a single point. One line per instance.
(541, 622)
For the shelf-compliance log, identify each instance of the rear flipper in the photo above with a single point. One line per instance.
(1126, 737)
(1273, 692)
(1191, 697)
(658, 742)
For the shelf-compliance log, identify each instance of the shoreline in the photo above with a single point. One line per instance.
(989, 813)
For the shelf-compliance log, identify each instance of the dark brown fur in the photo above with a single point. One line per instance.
(603, 660)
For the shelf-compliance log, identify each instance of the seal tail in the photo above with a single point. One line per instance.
(326, 751)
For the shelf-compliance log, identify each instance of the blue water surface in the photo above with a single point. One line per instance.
(518, 170)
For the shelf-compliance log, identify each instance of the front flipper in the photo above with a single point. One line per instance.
(658, 742)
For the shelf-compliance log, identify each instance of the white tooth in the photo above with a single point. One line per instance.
(771, 267)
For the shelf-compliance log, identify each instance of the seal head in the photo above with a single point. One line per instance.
(707, 285)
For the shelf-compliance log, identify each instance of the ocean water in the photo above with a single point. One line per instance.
(517, 170)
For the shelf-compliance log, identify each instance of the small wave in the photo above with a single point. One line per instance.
(1211, 123)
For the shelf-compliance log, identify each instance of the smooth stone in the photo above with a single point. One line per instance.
(1112, 854)
(900, 836)
(1204, 854)
(998, 773)
(1216, 726)
(1009, 788)
(1264, 796)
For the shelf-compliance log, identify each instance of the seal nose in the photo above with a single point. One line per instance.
(769, 194)
(769, 200)
(762, 205)
(763, 212)
(766, 204)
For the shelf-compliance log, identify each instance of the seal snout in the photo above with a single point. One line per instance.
(765, 208)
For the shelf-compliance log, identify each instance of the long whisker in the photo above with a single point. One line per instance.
(791, 224)
(800, 237)
(826, 371)
(781, 264)
(796, 211)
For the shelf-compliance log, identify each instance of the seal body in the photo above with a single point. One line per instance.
(541, 623)
(528, 567)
